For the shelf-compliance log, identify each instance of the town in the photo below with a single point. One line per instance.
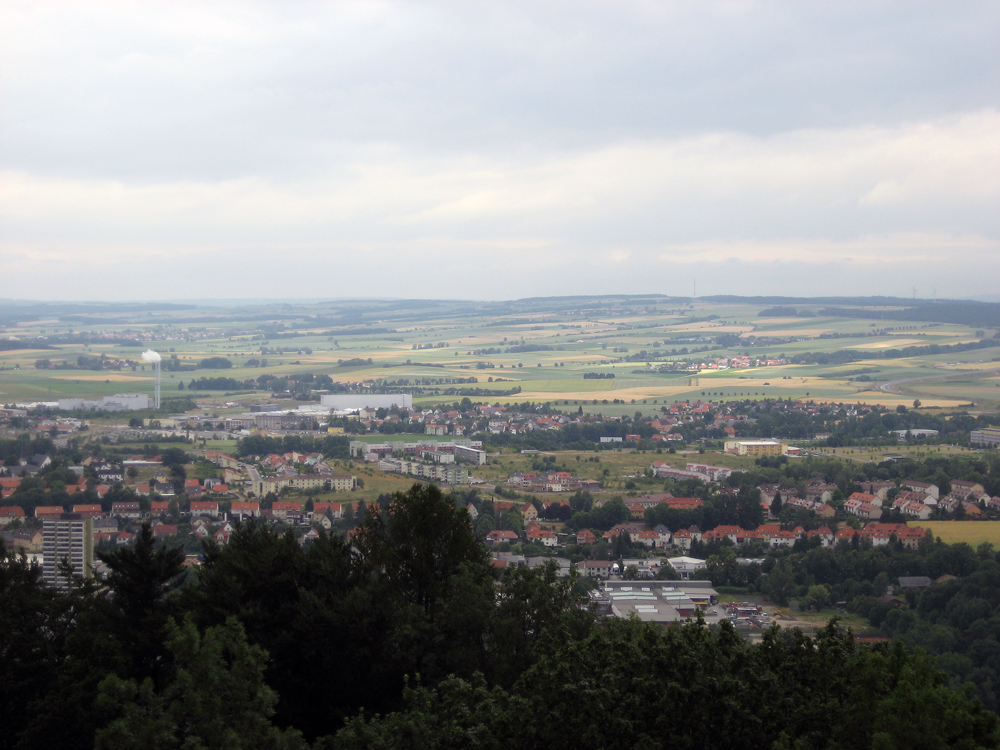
(604, 526)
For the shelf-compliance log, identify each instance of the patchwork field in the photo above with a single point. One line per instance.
(544, 347)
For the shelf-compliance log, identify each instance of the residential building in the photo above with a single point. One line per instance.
(498, 536)
(925, 487)
(682, 539)
(286, 510)
(244, 509)
(126, 510)
(208, 508)
(755, 447)
(913, 508)
(879, 489)
(596, 568)
(334, 510)
(714, 473)
(962, 488)
(469, 455)
(586, 537)
(88, 511)
(70, 538)
(856, 506)
(11, 513)
(336, 483)
(685, 566)
(30, 540)
(445, 473)
(544, 537)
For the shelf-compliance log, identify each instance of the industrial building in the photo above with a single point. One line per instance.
(988, 436)
(355, 401)
(118, 402)
(655, 601)
(915, 433)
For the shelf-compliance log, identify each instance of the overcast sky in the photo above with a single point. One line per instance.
(510, 149)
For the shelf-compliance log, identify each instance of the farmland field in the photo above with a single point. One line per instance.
(660, 350)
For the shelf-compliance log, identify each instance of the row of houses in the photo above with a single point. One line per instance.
(662, 538)
(774, 536)
(919, 499)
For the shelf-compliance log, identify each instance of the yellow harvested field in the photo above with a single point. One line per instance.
(796, 381)
(864, 363)
(475, 341)
(794, 332)
(970, 532)
(891, 401)
(626, 394)
(704, 326)
(710, 326)
(888, 344)
(384, 354)
(968, 366)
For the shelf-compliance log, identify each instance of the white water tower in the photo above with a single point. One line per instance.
(154, 358)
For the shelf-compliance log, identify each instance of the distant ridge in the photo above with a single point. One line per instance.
(865, 301)
(959, 312)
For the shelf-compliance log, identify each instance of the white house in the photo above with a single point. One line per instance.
(685, 566)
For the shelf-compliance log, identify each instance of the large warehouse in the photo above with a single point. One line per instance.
(352, 401)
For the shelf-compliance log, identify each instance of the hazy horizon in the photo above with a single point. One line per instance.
(262, 301)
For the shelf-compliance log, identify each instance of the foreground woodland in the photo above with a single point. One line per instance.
(407, 637)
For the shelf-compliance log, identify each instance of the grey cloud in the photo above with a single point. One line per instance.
(592, 146)
(221, 91)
